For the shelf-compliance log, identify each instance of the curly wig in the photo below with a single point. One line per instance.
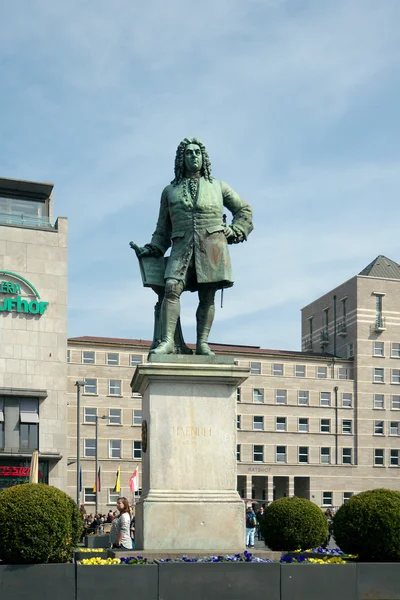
(180, 160)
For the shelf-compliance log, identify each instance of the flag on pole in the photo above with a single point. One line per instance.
(134, 481)
(117, 487)
(97, 482)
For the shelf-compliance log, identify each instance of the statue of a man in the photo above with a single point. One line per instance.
(191, 219)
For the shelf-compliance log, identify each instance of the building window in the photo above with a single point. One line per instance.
(347, 496)
(89, 496)
(90, 386)
(300, 371)
(281, 454)
(135, 360)
(325, 399)
(89, 448)
(379, 375)
(29, 410)
(280, 424)
(239, 422)
(303, 454)
(379, 349)
(325, 426)
(394, 458)
(29, 436)
(343, 373)
(395, 375)
(277, 369)
(88, 358)
(137, 417)
(114, 387)
(379, 457)
(114, 449)
(395, 402)
(255, 368)
(395, 350)
(258, 453)
(258, 423)
(238, 395)
(325, 456)
(115, 417)
(322, 372)
(112, 359)
(1, 424)
(113, 496)
(379, 401)
(303, 424)
(347, 426)
(347, 400)
(394, 428)
(350, 350)
(327, 498)
(281, 396)
(378, 309)
(238, 452)
(303, 398)
(378, 427)
(68, 356)
(347, 456)
(137, 450)
(258, 395)
(326, 319)
(89, 415)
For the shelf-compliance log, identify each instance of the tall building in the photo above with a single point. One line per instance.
(322, 423)
(33, 334)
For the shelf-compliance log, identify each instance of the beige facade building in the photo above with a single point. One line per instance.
(33, 334)
(323, 423)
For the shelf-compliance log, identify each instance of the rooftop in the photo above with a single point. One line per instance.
(382, 267)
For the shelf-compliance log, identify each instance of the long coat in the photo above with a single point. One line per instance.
(197, 228)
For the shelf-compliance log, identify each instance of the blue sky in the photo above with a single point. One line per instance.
(296, 101)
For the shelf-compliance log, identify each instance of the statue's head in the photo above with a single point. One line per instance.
(191, 156)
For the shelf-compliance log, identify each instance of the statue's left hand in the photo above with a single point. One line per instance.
(233, 236)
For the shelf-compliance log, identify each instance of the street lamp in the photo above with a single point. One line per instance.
(78, 385)
(97, 459)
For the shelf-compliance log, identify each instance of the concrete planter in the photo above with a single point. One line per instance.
(116, 581)
(37, 582)
(378, 580)
(222, 581)
(313, 582)
(97, 541)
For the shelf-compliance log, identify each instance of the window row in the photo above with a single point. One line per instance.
(114, 416)
(114, 449)
(303, 397)
(28, 423)
(89, 496)
(303, 424)
(303, 454)
(379, 401)
(378, 349)
(88, 357)
(114, 387)
(379, 375)
(327, 498)
(381, 456)
(289, 370)
(390, 428)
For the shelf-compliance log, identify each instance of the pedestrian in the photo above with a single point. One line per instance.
(260, 517)
(251, 522)
(329, 514)
(120, 528)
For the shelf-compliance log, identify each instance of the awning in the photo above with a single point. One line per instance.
(28, 417)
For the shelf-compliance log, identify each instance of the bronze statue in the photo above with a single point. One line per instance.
(191, 219)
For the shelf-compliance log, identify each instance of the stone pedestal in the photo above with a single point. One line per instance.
(189, 499)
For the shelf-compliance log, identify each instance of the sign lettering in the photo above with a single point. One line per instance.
(16, 303)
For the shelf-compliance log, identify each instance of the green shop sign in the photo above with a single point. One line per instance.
(16, 303)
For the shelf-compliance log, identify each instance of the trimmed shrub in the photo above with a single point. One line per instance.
(293, 523)
(368, 525)
(38, 524)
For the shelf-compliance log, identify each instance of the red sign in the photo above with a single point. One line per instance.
(15, 471)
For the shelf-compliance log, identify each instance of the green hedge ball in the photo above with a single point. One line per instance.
(368, 525)
(293, 524)
(39, 524)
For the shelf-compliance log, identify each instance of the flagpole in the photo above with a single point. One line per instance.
(97, 464)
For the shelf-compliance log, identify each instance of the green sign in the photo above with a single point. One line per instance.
(16, 303)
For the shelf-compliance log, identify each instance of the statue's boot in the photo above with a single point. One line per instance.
(205, 318)
(170, 313)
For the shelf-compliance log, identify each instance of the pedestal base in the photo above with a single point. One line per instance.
(189, 498)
